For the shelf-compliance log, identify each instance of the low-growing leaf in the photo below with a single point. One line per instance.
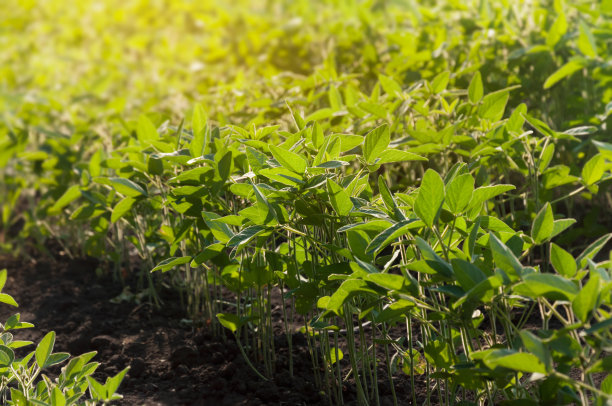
(7, 299)
(475, 90)
(505, 258)
(542, 227)
(593, 249)
(563, 262)
(561, 225)
(551, 286)
(566, 70)
(339, 199)
(127, 187)
(391, 87)
(289, 160)
(517, 361)
(376, 141)
(44, 349)
(246, 235)
(396, 155)
(537, 347)
(493, 105)
(121, 208)
(459, 192)
(468, 275)
(230, 321)
(145, 130)
(7, 356)
(593, 170)
(389, 235)
(169, 263)
(439, 83)
(430, 197)
(70, 195)
(586, 300)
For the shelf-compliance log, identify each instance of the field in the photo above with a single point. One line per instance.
(337, 202)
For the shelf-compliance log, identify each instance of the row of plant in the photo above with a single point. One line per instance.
(414, 176)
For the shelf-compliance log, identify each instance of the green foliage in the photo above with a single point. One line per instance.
(423, 171)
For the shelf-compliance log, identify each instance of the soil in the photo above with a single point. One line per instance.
(171, 363)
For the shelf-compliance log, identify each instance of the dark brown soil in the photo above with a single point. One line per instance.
(171, 363)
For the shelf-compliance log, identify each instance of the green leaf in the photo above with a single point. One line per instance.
(246, 235)
(592, 250)
(198, 122)
(57, 397)
(224, 166)
(586, 41)
(44, 349)
(493, 105)
(386, 280)
(335, 100)
(335, 355)
(169, 263)
(339, 198)
(264, 211)
(389, 235)
(566, 70)
(121, 208)
(517, 361)
(390, 86)
(145, 130)
(545, 157)
(230, 321)
(7, 356)
(127, 187)
(257, 160)
(220, 231)
(459, 192)
(505, 258)
(542, 226)
(586, 300)
(440, 266)
(563, 262)
(96, 389)
(376, 141)
(7, 299)
(3, 275)
(389, 201)
(468, 275)
(112, 384)
(606, 384)
(604, 148)
(396, 155)
(347, 289)
(70, 195)
(561, 225)
(484, 193)
(289, 160)
(535, 346)
(557, 31)
(320, 114)
(375, 109)
(439, 83)
(56, 358)
(199, 130)
(593, 170)
(475, 90)
(551, 286)
(430, 197)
